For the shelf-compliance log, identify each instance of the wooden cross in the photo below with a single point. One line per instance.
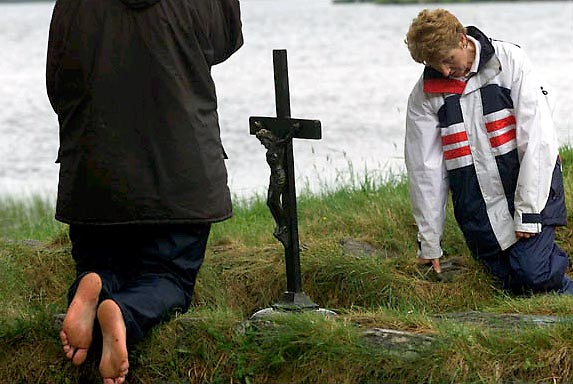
(276, 134)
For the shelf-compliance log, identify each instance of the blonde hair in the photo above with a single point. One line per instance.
(432, 34)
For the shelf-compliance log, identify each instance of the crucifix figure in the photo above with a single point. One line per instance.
(278, 181)
(276, 134)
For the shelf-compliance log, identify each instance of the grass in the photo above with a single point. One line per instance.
(244, 272)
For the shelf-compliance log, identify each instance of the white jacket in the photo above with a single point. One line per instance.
(490, 140)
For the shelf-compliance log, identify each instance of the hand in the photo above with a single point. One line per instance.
(523, 235)
(435, 263)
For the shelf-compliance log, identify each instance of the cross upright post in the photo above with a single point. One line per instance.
(276, 134)
(282, 98)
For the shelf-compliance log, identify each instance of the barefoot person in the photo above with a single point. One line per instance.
(478, 124)
(142, 172)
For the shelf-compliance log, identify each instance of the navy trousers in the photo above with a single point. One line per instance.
(148, 270)
(534, 265)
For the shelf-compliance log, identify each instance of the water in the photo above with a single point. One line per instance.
(348, 67)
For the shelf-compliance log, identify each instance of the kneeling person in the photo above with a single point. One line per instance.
(479, 125)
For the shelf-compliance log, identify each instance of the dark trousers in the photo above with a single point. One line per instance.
(148, 270)
(534, 265)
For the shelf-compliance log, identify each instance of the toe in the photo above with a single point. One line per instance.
(79, 356)
(63, 337)
(70, 351)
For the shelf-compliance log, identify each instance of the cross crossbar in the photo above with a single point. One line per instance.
(283, 126)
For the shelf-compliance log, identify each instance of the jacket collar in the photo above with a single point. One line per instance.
(435, 82)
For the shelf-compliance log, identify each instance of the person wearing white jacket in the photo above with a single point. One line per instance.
(479, 125)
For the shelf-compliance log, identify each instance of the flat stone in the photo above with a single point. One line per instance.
(401, 343)
(356, 248)
(503, 320)
(30, 243)
(267, 313)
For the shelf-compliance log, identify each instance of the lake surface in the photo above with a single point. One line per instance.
(348, 68)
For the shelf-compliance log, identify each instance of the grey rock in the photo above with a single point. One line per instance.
(503, 320)
(404, 344)
(356, 248)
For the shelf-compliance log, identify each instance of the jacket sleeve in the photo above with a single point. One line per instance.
(225, 29)
(536, 143)
(56, 40)
(426, 172)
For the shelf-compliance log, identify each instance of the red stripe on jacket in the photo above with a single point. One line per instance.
(444, 86)
(454, 138)
(502, 139)
(499, 124)
(458, 152)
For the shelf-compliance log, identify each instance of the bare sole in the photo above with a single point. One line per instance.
(77, 329)
(114, 362)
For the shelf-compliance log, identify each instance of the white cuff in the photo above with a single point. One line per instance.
(527, 222)
(428, 249)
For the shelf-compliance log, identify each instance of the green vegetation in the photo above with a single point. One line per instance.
(244, 272)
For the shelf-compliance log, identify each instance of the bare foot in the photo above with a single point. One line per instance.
(76, 334)
(114, 362)
(434, 262)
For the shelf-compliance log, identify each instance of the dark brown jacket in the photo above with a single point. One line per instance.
(139, 134)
